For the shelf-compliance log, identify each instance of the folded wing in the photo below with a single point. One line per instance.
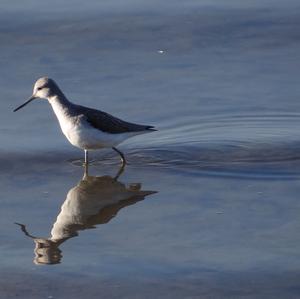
(107, 123)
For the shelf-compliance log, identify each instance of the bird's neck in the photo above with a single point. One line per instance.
(61, 106)
(59, 100)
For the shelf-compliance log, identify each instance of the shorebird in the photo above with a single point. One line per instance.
(85, 128)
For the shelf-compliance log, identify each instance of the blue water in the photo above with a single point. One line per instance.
(220, 81)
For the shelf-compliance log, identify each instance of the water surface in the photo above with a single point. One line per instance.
(208, 205)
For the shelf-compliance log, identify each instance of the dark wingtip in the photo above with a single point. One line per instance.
(151, 128)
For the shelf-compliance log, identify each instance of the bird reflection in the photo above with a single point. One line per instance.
(94, 200)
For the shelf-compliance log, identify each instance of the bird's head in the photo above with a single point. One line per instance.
(43, 88)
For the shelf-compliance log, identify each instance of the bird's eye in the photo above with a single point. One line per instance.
(39, 88)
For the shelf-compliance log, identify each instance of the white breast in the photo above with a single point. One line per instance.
(81, 134)
(66, 122)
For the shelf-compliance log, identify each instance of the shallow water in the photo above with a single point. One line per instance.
(208, 205)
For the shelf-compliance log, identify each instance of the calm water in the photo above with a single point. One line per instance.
(208, 206)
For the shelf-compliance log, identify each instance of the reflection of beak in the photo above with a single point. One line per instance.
(27, 102)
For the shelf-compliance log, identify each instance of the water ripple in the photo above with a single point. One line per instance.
(241, 145)
(256, 146)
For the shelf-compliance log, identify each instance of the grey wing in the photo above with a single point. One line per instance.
(110, 124)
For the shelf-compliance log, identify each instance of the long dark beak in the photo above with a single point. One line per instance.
(27, 102)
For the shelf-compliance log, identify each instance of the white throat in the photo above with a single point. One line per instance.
(61, 108)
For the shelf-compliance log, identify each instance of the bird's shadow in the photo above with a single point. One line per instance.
(93, 201)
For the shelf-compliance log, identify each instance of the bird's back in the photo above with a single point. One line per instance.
(108, 123)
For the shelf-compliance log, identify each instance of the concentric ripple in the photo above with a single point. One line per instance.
(232, 145)
(256, 146)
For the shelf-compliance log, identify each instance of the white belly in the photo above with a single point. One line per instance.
(87, 137)
(82, 135)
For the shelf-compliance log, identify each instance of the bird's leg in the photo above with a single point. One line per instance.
(86, 163)
(86, 157)
(122, 156)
